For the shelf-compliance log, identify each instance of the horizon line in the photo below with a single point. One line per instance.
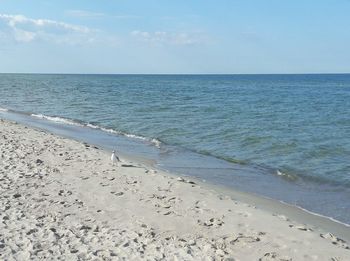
(150, 74)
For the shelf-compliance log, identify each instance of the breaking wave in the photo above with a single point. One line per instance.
(61, 120)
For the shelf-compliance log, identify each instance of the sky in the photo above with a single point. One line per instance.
(175, 36)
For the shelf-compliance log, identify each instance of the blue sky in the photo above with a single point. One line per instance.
(175, 36)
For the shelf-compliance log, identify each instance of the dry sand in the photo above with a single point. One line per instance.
(63, 200)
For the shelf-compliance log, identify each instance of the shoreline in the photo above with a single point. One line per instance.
(174, 213)
(273, 204)
(227, 175)
(296, 211)
(298, 214)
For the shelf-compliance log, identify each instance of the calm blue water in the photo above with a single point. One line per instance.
(291, 126)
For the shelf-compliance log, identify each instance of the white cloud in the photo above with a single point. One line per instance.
(24, 29)
(23, 36)
(169, 38)
(18, 20)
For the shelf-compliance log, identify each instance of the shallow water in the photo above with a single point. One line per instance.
(284, 136)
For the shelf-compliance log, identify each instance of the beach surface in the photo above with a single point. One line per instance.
(61, 199)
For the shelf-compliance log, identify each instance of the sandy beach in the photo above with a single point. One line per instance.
(64, 200)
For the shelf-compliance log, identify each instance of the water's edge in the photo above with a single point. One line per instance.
(179, 161)
(315, 221)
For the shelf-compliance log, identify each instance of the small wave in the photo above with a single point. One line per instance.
(110, 131)
(286, 175)
(3, 110)
(56, 119)
(153, 141)
(314, 213)
(156, 142)
(92, 126)
(236, 161)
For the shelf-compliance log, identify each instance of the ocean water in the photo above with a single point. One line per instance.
(290, 130)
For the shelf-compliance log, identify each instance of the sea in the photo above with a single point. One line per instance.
(285, 137)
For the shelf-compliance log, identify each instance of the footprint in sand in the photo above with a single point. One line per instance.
(244, 214)
(160, 197)
(301, 227)
(117, 193)
(335, 240)
(163, 189)
(274, 256)
(79, 202)
(243, 240)
(167, 209)
(167, 213)
(211, 223)
(128, 166)
(282, 217)
(200, 207)
(132, 182)
(64, 193)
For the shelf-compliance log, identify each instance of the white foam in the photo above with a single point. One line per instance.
(314, 213)
(56, 119)
(285, 175)
(153, 141)
(156, 142)
(92, 126)
(3, 110)
(110, 131)
(135, 136)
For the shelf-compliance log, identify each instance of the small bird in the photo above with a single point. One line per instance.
(114, 158)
